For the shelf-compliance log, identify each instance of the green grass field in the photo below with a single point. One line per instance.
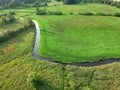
(66, 38)
(66, 9)
(82, 8)
(18, 67)
(77, 39)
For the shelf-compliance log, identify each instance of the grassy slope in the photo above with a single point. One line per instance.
(77, 39)
(93, 8)
(17, 63)
(15, 73)
(66, 9)
(74, 38)
(95, 78)
(8, 51)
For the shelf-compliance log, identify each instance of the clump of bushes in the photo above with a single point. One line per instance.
(55, 13)
(8, 18)
(71, 1)
(4, 20)
(71, 13)
(29, 22)
(117, 15)
(103, 14)
(44, 12)
(12, 13)
(41, 11)
(38, 4)
(86, 14)
(11, 33)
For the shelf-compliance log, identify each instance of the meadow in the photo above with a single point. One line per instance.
(18, 67)
(66, 9)
(77, 38)
(83, 8)
(66, 38)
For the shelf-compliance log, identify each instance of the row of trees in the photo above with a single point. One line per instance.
(109, 2)
(38, 3)
(89, 1)
(22, 3)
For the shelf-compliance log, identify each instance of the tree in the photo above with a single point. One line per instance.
(15, 3)
(11, 19)
(72, 1)
(4, 20)
(29, 1)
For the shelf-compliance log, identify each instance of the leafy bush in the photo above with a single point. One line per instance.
(55, 13)
(117, 15)
(4, 20)
(87, 14)
(71, 13)
(7, 18)
(103, 14)
(12, 13)
(38, 4)
(11, 33)
(11, 19)
(29, 22)
(41, 11)
(71, 1)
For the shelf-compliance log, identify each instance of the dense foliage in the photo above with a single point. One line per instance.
(21, 3)
(38, 3)
(109, 2)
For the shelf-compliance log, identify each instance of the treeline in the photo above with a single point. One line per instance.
(22, 3)
(46, 12)
(38, 3)
(108, 2)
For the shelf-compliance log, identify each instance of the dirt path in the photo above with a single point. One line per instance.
(86, 64)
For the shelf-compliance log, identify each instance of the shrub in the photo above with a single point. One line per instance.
(29, 22)
(39, 4)
(41, 11)
(117, 15)
(71, 1)
(11, 19)
(12, 13)
(87, 14)
(71, 13)
(11, 33)
(4, 20)
(7, 19)
(103, 14)
(80, 13)
(55, 13)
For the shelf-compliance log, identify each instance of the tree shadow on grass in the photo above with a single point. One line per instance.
(39, 83)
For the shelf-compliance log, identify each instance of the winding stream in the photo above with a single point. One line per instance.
(86, 64)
